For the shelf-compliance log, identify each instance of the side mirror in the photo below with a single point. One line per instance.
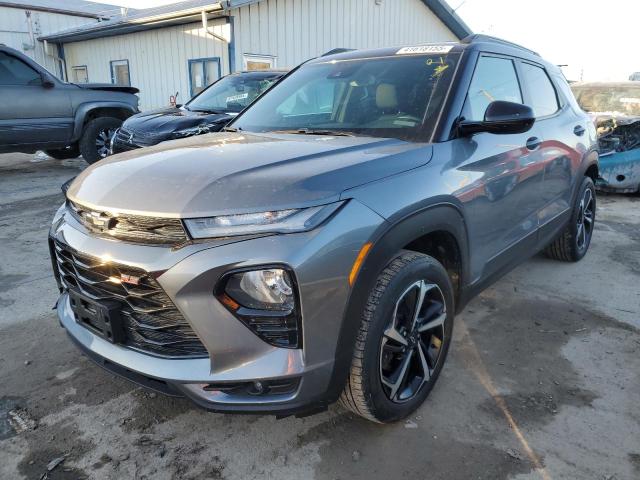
(500, 118)
(47, 81)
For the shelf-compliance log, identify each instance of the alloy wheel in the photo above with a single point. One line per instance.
(586, 217)
(412, 342)
(103, 141)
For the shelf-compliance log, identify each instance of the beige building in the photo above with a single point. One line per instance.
(22, 22)
(181, 48)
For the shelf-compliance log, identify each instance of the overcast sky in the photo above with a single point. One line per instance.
(597, 39)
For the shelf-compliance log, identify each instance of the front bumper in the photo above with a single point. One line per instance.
(321, 260)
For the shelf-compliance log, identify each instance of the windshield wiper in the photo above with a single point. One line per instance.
(205, 110)
(231, 129)
(311, 131)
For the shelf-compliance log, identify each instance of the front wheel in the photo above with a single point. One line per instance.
(573, 242)
(403, 340)
(96, 138)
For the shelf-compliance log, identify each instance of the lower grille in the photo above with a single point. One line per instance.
(151, 322)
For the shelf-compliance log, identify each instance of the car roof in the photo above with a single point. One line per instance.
(624, 84)
(476, 42)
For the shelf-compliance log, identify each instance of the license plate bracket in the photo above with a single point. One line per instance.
(101, 317)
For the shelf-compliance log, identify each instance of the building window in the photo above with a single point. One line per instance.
(202, 73)
(120, 72)
(258, 62)
(80, 74)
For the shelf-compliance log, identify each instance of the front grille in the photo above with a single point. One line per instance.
(135, 139)
(129, 228)
(151, 322)
(130, 139)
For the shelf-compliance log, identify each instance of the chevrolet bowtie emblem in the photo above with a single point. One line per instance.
(101, 221)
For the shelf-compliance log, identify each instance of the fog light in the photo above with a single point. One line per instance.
(266, 301)
(269, 289)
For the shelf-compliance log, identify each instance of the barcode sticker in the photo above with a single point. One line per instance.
(424, 49)
(235, 98)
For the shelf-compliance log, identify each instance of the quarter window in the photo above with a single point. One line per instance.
(16, 72)
(544, 100)
(493, 79)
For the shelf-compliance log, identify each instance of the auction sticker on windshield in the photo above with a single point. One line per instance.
(424, 49)
(234, 98)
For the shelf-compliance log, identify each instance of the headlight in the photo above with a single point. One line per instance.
(112, 141)
(277, 221)
(197, 130)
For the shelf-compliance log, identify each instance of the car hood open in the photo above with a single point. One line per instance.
(224, 173)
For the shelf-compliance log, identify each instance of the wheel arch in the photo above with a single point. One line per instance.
(419, 232)
(590, 167)
(88, 111)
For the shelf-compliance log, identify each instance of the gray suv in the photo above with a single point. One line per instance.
(40, 112)
(320, 247)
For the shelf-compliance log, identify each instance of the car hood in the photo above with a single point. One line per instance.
(620, 118)
(224, 173)
(108, 87)
(165, 121)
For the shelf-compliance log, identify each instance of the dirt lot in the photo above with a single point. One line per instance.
(543, 380)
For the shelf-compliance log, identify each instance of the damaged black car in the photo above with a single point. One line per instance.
(207, 112)
(615, 109)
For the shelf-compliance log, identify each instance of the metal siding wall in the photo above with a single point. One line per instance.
(158, 59)
(14, 31)
(301, 29)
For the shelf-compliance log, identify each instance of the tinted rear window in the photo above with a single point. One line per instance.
(544, 100)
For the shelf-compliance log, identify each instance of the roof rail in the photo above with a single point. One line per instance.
(479, 37)
(337, 50)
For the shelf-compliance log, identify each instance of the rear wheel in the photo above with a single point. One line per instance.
(403, 340)
(96, 138)
(64, 153)
(573, 242)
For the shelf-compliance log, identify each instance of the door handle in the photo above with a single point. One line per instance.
(579, 130)
(533, 143)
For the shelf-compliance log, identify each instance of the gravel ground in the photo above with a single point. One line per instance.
(542, 379)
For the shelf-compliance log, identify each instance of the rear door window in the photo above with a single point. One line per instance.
(543, 97)
(494, 79)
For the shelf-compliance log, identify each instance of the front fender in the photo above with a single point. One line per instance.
(84, 109)
(388, 240)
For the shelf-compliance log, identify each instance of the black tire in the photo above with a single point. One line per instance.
(573, 242)
(364, 393)
(64, 153)
(95, 131)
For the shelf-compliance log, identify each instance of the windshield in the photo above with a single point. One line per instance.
(609, 98)
(396, 96)
(232, 94)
